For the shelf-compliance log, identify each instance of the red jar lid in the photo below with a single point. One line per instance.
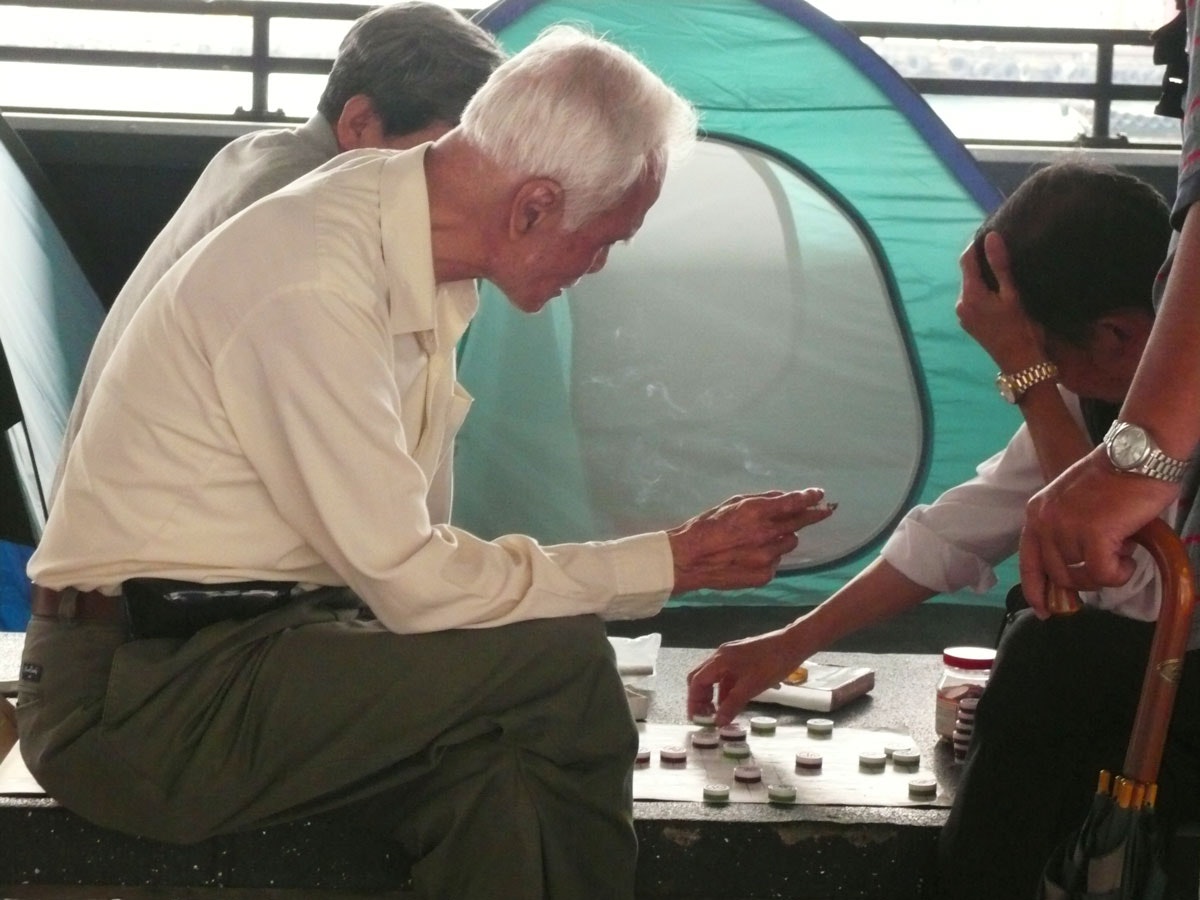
(969, 657)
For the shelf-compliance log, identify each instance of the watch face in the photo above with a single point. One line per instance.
(1006, 389)
(1127, 447)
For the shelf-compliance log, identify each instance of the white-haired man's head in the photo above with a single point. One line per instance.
(579, 110)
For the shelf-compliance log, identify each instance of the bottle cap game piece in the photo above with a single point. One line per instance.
(890, 749)
(809, 759)
(705, 740)
(704, 719)
(763, 724)
(781, 793)
(923, 787)
(747, 774)
(736, 749)
(823, 727)
(672, 754)
(732, 733)
(872, 759)
(968, 704)
(716, 793)
(643, 756)
(799, 675)
(909, 756)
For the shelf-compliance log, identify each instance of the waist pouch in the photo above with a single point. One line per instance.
(163, 608)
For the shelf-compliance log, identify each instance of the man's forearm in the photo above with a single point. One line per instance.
(1165, 395)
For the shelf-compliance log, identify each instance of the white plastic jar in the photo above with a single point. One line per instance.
(965, 673)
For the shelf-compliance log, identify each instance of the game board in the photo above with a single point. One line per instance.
(841, 780)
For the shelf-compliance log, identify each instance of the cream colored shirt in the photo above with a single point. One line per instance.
(283, 407)
(244, 170)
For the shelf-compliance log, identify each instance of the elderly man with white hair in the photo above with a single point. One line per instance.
(249, 603)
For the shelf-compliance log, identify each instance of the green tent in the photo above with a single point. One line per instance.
(785, 317)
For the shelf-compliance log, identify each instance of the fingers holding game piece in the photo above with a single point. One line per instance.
(740, 542)
(737, 673)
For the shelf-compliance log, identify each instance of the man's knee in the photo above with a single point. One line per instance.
(583, 710)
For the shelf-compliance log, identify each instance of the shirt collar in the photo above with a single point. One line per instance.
(318, 132)
(417, 302)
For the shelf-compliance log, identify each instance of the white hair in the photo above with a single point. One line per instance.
(582, 111)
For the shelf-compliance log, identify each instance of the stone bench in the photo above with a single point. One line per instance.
(688, 850)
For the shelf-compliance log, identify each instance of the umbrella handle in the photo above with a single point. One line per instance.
(1165, 664)
(1061, 601)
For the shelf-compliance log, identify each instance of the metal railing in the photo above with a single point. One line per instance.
(1100, 91)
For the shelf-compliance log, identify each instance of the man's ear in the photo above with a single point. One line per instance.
(1122, 333)
(359, 125)
(537, 203)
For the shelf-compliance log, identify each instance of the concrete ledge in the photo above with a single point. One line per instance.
(45, 844)
(687, 850)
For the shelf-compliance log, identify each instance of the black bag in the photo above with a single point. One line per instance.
(163, 608)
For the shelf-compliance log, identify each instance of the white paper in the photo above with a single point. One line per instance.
(637, 663)
(14, 777)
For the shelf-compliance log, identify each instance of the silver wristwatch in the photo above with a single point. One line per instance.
(1013, 387)
(1131, 449)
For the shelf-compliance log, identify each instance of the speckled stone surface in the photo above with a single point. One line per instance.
(688, 850)
(755, 850)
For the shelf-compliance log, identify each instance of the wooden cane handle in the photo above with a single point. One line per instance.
(1167, 649)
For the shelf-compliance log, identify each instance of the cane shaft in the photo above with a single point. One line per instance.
(1157, 700)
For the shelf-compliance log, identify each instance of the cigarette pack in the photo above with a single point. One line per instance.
(826, 688)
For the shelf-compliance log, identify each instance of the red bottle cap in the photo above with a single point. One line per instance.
(969, 657)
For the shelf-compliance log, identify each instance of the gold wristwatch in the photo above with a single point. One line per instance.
(1013, 387)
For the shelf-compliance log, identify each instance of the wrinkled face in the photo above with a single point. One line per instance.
(549, 259)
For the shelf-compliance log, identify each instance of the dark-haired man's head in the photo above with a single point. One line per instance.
(1085, 242)
(403, 74)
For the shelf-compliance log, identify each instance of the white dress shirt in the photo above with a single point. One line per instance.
(954, 542)
(279, 408)
(244, 170)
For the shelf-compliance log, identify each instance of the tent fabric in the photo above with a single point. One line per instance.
(785, 317)
(49, 316)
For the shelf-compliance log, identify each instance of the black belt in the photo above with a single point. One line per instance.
(164, 608)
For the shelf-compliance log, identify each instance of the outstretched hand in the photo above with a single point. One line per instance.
(738, 672)
(739, 543)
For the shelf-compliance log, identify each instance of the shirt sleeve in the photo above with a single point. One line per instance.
(1189, 165)
(955, 542)
(307, 384)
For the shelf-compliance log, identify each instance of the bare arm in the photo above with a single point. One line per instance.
(740, 670)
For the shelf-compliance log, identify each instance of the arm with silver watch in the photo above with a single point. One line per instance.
(1131, 449)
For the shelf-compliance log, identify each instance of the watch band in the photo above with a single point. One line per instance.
(1131, 450)
(1013, 386)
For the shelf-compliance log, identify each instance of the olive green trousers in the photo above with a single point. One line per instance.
(499, 758)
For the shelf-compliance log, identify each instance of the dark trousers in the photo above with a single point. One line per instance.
(1059, 708)
(500, 758)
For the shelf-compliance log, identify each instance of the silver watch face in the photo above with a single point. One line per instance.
(1128, 447)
